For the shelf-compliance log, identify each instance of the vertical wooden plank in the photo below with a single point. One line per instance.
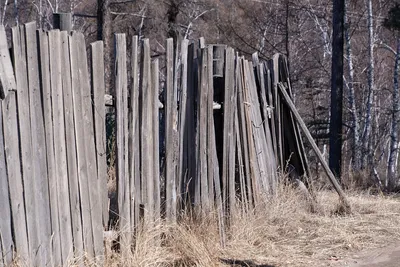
(60, 146)
(202, 128)
(39, 163)
(229, 131)
(26, 145)
(156, 152)
(14, 172)
(6, 242)
(243, 130)
(71, 148)
(83, 174)
(98, 91)
(183, 122)
(171, 134)
(135, 139)
(211, 163)
(94, 194)
(122, 114)
(50, 154)
(271, 114)
(7, 78)
(147, 141)
(278, 113)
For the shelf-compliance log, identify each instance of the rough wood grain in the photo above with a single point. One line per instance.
(99, 111)
(7, 78)
(171, 135)
(122, 160)
(64, 211)
(211, 162)
(6, 241)
(147, 141)
(18, 35)
(73, 181)
(50, 156)
(39, 164)
(94, 193)
(14, 172)
(84, 184)
(135, 182)
(155, 79)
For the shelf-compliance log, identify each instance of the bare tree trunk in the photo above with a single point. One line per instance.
(16, 11)
(394, 138)
(335, 125)
(366, 140)
(355, 126)
(3, 15)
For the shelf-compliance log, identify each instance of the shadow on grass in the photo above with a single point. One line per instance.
(244, 263)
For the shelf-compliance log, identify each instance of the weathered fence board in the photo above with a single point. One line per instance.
(7, 78)
(71, 147)
(98, 91)
(6, 242)
(156, 139)
(39, 164)
(64, 211)
(50, 154)
(122, 115)
(11, 147)
(84, 184)
(170, 135)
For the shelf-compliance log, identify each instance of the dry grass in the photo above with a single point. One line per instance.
(282, 232)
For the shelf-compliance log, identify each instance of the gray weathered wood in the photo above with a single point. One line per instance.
(50, 156)
(6, 241)
(135, 182)
(7, 78)
(183, 122)
(64, 211)
(62, 21)
(98, 90)
(122, 159)
(37, 134)
(18, 36)
(147, 141)
(278, 111)
(84, 184)
(155, 79)
(14, 172)
(171, 135)
(73, 181)
(314, 146)
(94, 193)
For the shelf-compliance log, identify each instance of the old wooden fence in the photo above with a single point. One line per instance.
(225, 136)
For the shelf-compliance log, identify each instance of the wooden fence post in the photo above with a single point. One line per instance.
(62, 21)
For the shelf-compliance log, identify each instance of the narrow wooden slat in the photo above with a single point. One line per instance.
(71, 147)
(278, 112)
(14, 172)
(243, 129)
(60, 146)
(18, 36)
(39, 164)
(135, 139)
(156, 152)
(171, 135)
(211, 163)
(98, 91)
(7, 78)
(50, 155)
(6, 242)
(87, 110)
(147, 141)
(83, 174)
(202, 128)
(183, 121)
(122, 178)
(271, 111)
(314, 146)
(228, 166)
